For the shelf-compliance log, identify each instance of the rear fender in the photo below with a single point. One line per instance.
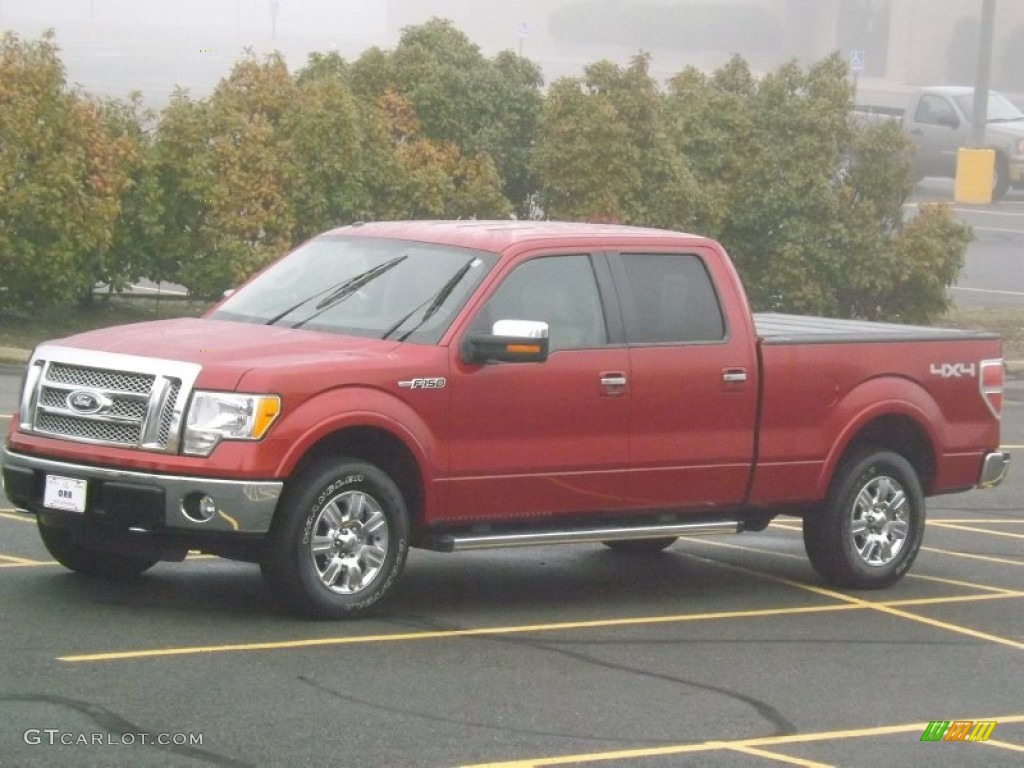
(876, 399)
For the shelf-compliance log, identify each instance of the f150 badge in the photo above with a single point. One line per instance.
(438, 382)
(953, 370)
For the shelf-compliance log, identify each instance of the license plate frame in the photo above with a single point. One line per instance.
(67, 494)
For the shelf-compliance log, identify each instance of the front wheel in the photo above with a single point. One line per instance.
(341, 540)
(75, 555)
(869, 531)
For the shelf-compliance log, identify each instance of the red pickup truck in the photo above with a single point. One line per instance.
(458, 385)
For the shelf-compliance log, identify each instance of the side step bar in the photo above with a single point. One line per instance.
(458, 542)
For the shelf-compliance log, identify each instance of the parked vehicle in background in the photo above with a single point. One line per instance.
(938, 121)
(465, 385)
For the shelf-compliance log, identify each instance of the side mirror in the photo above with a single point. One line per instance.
(948, 119)
(510, 341)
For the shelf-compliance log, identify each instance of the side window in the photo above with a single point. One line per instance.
(669, 298)
(561, 291)
(934, 110)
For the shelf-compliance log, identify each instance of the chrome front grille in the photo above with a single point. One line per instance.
(89, 429)
(95, 378)
(134, 402)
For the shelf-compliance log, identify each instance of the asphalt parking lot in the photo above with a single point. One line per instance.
(725, 651)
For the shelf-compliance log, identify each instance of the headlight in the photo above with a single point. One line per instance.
(216, 416)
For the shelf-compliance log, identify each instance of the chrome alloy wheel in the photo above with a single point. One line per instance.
(880, 521)
(349, 542)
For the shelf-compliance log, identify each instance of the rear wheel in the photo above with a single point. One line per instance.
(869, 531)
(341, 540)
(68, 550)
(640, 546)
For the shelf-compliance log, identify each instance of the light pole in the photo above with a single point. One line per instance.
(983, 73)
(274, 7)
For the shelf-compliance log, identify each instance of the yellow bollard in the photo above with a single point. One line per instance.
(975, 174)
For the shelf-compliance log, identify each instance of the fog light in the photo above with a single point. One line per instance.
(199, 507)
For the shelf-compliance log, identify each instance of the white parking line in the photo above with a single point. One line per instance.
(989, 290)
(996, 229)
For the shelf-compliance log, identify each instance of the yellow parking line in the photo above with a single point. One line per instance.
(972, 529)
(973, 556)
(10, 514)
(454, 633)
(959, 583)
(882, 607)
(522, 629)
(17, 560)
(893, 611)
(791, 556)
(714, 746)
(976, 521)
(776, 756)
(1003, 745)
(28, 564)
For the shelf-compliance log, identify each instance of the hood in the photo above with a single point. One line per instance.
(225, 349)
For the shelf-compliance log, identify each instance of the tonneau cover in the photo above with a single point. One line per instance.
(776, 328)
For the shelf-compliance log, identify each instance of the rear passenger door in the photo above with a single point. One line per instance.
(693, 383)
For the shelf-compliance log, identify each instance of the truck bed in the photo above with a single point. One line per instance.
(776, 328)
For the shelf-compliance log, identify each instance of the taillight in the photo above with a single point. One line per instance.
(991, 383)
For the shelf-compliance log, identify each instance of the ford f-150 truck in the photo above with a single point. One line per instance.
(938, 122)
(459, 385)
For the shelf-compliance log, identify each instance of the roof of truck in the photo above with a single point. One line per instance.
(498, 235)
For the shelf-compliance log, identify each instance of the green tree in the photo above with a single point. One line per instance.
(604, 152)
(61, 179)
(585, 163)
(224, 163)
(134, 249)
(326, 186)
(460, 97)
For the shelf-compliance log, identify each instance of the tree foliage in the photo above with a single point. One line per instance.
(809, 203)
(62, 173)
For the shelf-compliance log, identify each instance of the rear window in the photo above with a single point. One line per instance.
(669, 299)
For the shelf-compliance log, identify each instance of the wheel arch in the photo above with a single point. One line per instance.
(906, 426)
(380, 447)
(900, 434)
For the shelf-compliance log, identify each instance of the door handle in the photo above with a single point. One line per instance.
(734, 375)
(613, 384)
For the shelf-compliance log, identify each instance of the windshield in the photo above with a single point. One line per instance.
(363, 287)
(1000, 109)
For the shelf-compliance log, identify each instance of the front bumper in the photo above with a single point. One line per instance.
(993, 469)
(145, 500)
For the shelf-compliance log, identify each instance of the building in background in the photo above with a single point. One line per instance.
(111, 47)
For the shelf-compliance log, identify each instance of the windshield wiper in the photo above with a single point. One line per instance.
(349, 283)
(347, 288)
(434, 303)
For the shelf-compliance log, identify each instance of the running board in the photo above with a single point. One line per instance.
(458, 542)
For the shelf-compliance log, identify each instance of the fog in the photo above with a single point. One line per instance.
(112, 47)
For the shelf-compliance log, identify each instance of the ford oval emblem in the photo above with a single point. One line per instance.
(86, 402)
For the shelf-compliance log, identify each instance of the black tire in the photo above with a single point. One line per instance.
(340, 539)
(869, 530)
(640, 546)
(1001, 179)
(74, 555)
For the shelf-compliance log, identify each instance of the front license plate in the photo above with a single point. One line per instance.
(64, 493)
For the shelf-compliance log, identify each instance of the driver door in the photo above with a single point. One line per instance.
(539, 439)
